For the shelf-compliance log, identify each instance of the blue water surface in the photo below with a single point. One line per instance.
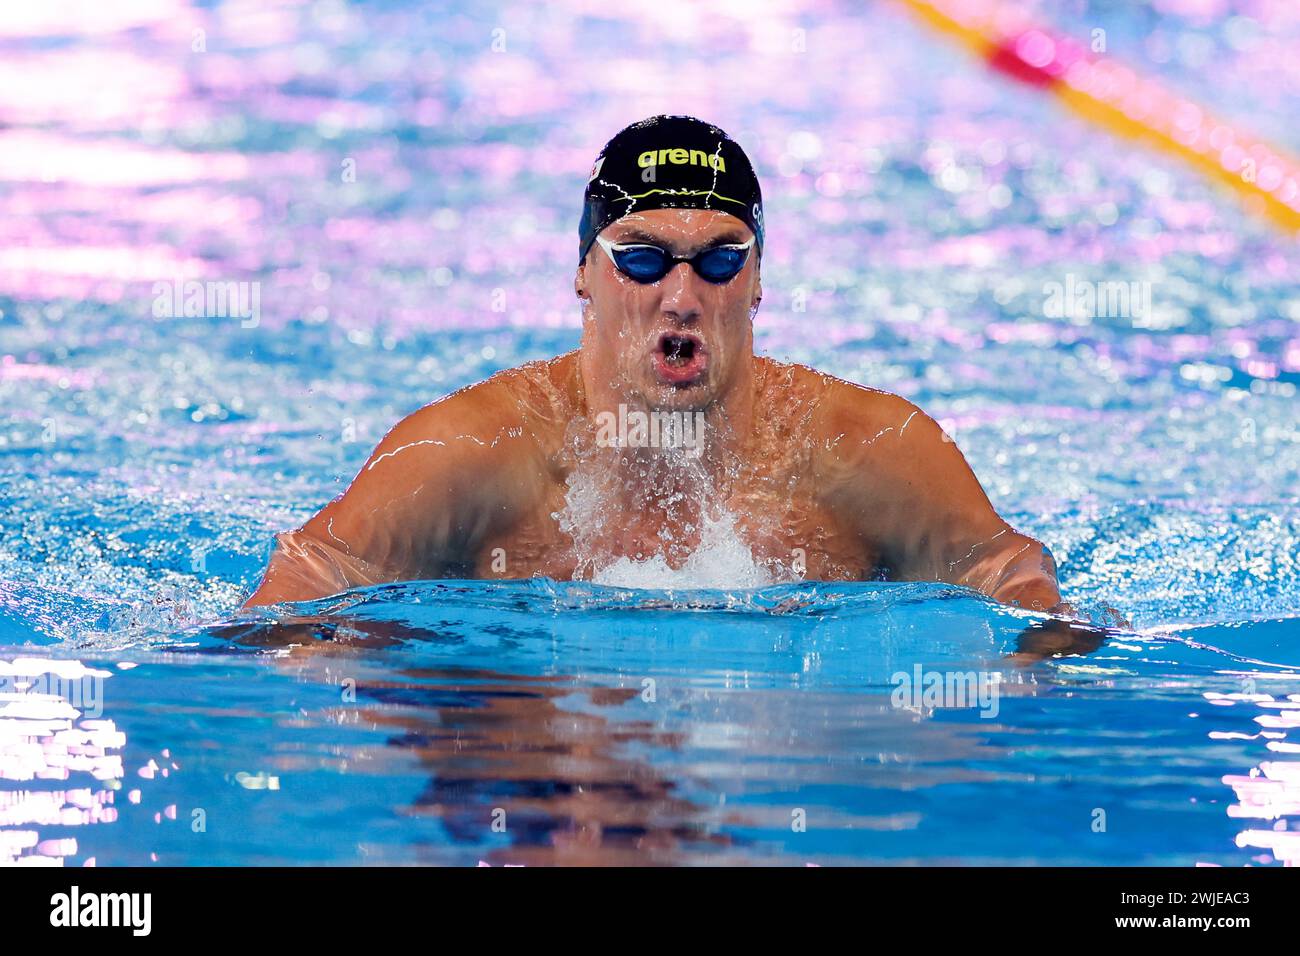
(404, 183)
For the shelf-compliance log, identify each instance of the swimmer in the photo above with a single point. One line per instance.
(662, 425)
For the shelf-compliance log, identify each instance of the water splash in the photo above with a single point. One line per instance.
(657, 517)
(722, 560)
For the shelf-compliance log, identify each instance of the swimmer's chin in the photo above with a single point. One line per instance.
(696, 396)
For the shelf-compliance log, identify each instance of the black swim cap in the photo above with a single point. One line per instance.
(669, 162)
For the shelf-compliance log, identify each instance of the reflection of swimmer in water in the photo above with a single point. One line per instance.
(662, 424)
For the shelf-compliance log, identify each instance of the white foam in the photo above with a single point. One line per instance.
(722, 560)
(595, 503)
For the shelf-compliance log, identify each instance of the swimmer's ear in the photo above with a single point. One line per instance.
(579, 282)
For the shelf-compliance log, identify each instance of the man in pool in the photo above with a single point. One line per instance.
(663, 437)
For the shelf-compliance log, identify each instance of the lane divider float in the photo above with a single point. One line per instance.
(1119, 99)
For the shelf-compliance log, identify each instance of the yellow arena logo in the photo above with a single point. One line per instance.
(681, 157)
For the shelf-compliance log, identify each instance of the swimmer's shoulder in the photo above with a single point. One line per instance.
(850, 408)
(840, 407)
(851, 424)
(522, 403)
(444, 476)
(484, 447)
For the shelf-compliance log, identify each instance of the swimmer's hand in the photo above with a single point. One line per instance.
(317, 632)
(1063, 634)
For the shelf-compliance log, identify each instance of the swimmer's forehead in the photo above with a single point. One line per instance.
(679, 230)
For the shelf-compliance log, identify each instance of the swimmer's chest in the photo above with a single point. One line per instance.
(795, 532)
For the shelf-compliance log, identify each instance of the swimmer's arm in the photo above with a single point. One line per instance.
(916, 500)
(302, 567)
(417, 509)
(1020, 572)
(959, 537)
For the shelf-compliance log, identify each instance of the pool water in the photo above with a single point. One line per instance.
(403, 183)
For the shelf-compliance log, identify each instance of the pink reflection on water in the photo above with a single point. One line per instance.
(43, 736)
(40, 157)
(61, 18)
(121, 262)
(13, 370)
(1271, 790)
(89, 88)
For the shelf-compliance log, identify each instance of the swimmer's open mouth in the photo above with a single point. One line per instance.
(680, 358)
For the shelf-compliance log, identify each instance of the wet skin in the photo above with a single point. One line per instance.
(828, 480)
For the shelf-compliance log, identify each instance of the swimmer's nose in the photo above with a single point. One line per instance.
(681, 300)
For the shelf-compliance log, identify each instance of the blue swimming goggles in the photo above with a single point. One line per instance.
(646, 263)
